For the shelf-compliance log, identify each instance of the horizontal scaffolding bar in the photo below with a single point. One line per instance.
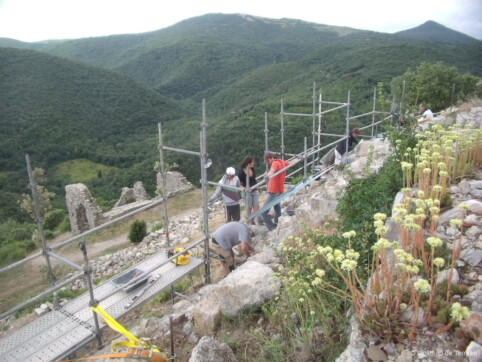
(40, 296)
(362, 115)
(88, 232)
(58, 257)
(181, 150)
(297, 114)
(225, 185)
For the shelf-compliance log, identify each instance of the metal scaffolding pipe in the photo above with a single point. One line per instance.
(182, 151)
(68, 262)
(39, 219)
(313, 132)
(163, 177)
(282, 131)
(84, 234)
(266, 131)
(374, 109)
(204, 177)
(297, 114)
(40, 296)
(333, 109)
(361, 115)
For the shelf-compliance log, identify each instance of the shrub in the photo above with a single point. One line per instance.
(53, 218)
(13, 230)
(138, 231)
(433, 84)
(64, 226)
(157, 226)
(15, 250)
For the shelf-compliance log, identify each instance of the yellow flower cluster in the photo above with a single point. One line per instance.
(349, 234)
(463, 206)
(439, 262)
(458, 312)
(352, 254)
(407, 262)
(422, 285)
(456, 223)
(348, 264)
(383, 243)
(434, 242)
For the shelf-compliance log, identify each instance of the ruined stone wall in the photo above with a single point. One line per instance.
(84, 214)
(175, 183)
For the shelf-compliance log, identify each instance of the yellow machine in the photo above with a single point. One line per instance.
(182, 259)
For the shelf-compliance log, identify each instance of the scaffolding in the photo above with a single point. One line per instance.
(74, 324)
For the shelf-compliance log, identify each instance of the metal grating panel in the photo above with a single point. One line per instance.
(54, 335)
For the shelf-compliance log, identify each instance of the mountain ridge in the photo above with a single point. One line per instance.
(433, 31)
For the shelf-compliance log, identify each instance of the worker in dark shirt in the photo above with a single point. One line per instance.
(340, 150)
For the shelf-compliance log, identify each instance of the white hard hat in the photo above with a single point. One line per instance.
(230, 171)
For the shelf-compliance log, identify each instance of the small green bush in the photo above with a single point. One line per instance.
(53, 219)
(15, 250)
(64, 226)
(13, 230)
(49, 234)
(157, 226)
(138, 231)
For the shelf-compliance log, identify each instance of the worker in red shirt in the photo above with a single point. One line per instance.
(276, 186)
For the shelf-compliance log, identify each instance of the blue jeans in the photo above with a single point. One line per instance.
(277, 211)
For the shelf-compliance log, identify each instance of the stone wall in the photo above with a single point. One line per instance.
(84, 213)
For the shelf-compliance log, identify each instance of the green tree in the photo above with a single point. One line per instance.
(434, 84)
(138, 231)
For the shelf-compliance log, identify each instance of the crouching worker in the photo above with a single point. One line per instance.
(228, 236)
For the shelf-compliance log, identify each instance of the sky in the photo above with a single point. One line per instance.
(37, 20)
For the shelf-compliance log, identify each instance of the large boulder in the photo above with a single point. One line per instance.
(247, 287)
(210, 350)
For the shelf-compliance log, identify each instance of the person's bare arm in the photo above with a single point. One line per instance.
(247, 249)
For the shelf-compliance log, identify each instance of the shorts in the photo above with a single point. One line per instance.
(254, 197)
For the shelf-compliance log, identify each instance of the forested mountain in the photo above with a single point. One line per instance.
(203, 54)
(432, 31)
(55, 109)
(101, 98)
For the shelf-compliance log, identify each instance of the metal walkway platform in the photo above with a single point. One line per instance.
(56, 335)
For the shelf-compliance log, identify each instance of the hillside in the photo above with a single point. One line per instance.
(176, 60)
(58, 109)
(435, 32)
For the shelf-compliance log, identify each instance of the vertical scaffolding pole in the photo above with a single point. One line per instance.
(452, 96)
(88, 280)
(282, 132)
(163, 178)
(345, 156)
(266, 131)
(319, 124)
(204, 183)
(373, 110)
(39, 219)
(305, 160)
(314, 127)
(401, 102)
